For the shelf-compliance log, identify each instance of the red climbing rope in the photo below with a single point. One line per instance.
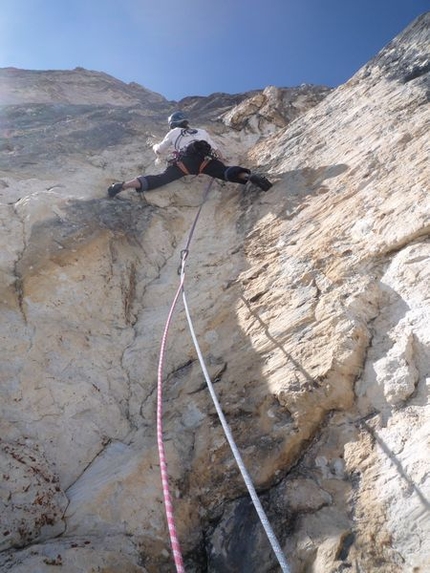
(177, 555)
(163, 464)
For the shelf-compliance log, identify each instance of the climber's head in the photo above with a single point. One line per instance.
(178, 119)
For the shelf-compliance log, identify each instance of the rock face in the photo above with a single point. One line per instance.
(310, 303)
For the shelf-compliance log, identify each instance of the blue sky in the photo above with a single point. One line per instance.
(180, 48)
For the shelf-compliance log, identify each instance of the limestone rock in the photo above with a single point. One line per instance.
(115, 553)
(32, 502)
(310, 303)
(75, 87)
(397, 371)
(273, 108)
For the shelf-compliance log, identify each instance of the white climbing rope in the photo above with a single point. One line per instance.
(163, 464)
(246, 477)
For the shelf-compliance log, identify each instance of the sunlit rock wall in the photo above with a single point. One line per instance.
(310, 303)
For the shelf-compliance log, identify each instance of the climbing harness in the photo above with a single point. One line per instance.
(163, 465)
(183, 168)
(205, 153)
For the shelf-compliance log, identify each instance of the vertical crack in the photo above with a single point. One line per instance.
(19, 280)
(129, 295)
(19, 290)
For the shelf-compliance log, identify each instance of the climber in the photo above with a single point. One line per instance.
(192, 151)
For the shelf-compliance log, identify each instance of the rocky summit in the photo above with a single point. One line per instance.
(310, 304)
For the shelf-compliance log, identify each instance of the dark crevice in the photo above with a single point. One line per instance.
(416, 72)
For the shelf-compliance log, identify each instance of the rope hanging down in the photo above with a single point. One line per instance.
(246, 477)
(163, 465)
(177, 555)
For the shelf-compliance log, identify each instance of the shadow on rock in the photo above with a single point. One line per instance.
(299, 184)
(76, 223)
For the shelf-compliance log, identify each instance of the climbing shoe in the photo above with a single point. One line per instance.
(260, 181)
(115, 188)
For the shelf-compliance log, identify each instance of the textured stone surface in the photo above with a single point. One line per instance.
(310, 302)
(31, 501)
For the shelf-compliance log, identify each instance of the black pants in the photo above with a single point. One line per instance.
(215, 168)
